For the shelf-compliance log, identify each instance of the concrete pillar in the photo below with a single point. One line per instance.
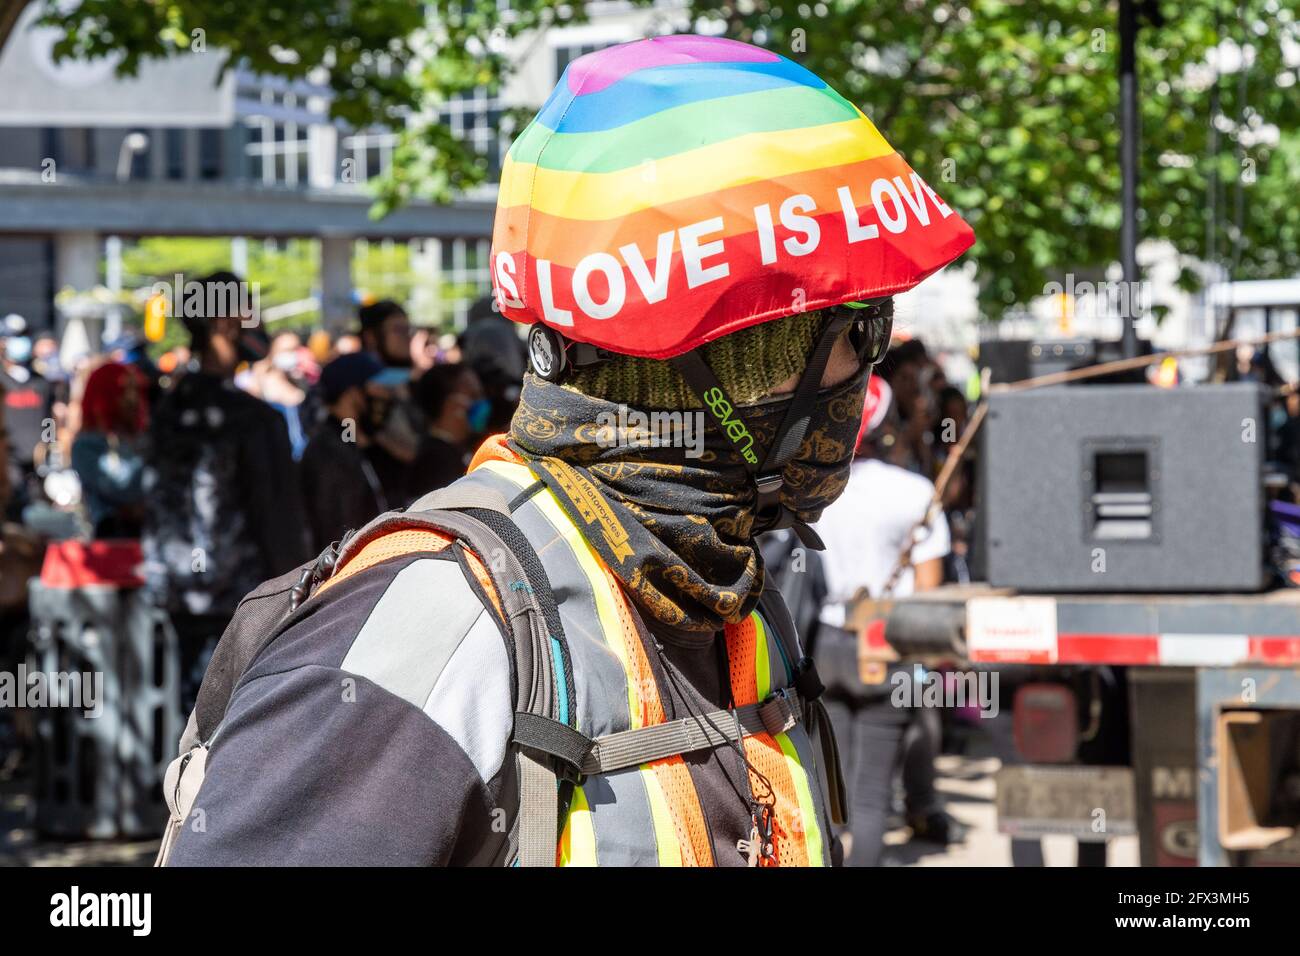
(76, 261)
(322, 155)
(426, 263)
(113, 263)
(336, 284)
(76, 267)
(113, 279)
(239, 256)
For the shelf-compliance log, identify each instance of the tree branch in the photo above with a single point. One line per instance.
(10, 11)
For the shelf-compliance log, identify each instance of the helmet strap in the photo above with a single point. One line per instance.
(553, 357)
(771, 513)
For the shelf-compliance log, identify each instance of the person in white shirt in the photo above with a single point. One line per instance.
(865, 532)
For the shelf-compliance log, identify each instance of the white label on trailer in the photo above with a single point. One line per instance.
(1011, 629)
(1203, 650)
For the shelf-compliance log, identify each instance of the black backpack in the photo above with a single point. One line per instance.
(476, 519)
(551, 754)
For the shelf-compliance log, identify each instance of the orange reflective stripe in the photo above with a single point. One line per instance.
(672, 774)
(765, 754)
(396, 544)
(639, 674)
(485, 581)
(674, 778)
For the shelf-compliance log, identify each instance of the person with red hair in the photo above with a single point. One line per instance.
(107, 451)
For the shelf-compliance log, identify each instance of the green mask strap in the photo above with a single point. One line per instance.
(771, 514)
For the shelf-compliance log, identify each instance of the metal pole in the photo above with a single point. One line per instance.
(1128, 121)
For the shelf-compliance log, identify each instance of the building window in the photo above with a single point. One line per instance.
(211, 161)
(564, 55)
(366, 155)
(174, 149)
(51, 145)
(464, 277)
(275, 152)
(140, 160)
(252, 158)
(71, 148)
(475, 118)
(88, 148)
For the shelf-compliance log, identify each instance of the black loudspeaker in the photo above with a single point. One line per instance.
(1010, 360)
(1006, 359)
(1124, 488)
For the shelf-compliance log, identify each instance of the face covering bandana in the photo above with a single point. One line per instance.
(666, 499)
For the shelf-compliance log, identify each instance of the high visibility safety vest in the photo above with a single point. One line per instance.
(651, 814)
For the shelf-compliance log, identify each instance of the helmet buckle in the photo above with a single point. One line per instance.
(546, 353)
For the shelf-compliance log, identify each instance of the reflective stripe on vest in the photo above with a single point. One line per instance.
(652, 814)
(676, 829)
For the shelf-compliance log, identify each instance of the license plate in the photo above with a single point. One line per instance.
(1088, 803)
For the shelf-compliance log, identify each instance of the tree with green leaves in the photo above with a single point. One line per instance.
(1010, 108)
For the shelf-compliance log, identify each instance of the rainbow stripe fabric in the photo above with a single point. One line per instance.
(676, 189)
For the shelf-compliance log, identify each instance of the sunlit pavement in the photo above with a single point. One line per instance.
(968, 790)
(965, 782)
(20, 846)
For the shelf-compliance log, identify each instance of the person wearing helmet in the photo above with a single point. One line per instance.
(703, 238)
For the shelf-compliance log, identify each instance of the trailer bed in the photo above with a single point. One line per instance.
(996, 625)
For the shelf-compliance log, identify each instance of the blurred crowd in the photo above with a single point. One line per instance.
(239, 455)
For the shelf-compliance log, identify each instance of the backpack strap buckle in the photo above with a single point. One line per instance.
(780, 711)
(566, 747)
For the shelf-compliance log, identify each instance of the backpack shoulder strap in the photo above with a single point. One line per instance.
(259, 617)
(548, 747)
(462, 495)
(809, 688)
(476, 519)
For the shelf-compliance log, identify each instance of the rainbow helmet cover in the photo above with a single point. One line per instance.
(676, 189)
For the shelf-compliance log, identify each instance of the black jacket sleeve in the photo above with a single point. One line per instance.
(274, 500)
(302, 775)
(373, 731)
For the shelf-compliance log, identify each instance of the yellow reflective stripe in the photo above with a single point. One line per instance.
(807, 809)
(606, 610)
(670, 851)
(578, 841)
(762, 669)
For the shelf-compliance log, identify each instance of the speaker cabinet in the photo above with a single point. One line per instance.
(1124, 488)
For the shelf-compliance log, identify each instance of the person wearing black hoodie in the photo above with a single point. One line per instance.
(223, 511)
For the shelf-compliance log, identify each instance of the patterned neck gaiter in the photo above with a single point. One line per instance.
(667, 502)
